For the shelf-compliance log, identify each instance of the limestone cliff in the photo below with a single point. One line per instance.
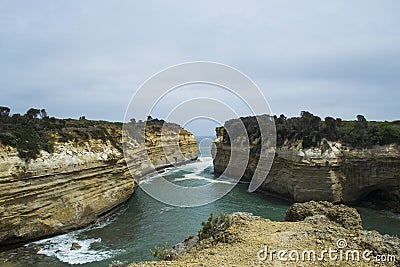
(329, 171)
(77, 183)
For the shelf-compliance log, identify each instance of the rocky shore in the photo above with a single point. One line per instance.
(315, 234)
(79, 182)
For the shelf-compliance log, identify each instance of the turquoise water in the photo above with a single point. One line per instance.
(143, 223)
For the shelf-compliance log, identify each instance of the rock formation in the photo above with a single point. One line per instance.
(330, 171)
(344, 216)
(78, 183)
(313, 239)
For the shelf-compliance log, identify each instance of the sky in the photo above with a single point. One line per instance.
(333, 58)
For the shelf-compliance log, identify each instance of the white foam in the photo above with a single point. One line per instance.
(60, 247)
(166, 209)
(104, 222)
(196, 177)
(149, 179)
(195, 168)
(168, 170)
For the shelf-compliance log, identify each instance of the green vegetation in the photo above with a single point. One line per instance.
(214, 226)
(35, 131)
(311, 131)
(359, 133)
(163, 253)
(153, 126)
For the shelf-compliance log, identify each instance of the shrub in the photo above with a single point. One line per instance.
(214, 226)
(311, 130)
(35, 131)
(163, 253)
(8, 138)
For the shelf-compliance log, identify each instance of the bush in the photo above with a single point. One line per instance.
(214, 226)
(35, 131)
(163, 253)
(311, 130)
(8, 139)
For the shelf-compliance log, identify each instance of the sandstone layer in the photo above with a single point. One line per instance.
(314, 240)
(331, 171)
(78, 183)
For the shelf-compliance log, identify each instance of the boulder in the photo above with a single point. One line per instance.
(75, 246)
(340, 214)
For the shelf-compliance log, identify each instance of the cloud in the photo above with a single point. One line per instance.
(88, 57)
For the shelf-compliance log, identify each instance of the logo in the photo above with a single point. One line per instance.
(340, 253)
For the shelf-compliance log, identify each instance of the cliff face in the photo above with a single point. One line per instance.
(329, 172)
(76, 184)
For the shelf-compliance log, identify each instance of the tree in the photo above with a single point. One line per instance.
(315, 122)
(309, 121)
(43, 114)
(32, 113)
(4, 112)
(361, 118)
(149, 118)
(306, 115)
(280, 120)
(330, 126)
(338, 122)
(362, 122)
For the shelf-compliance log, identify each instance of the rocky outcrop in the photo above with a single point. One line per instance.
(315, 241)
(344, 216)
(330, 172)
(76, 184)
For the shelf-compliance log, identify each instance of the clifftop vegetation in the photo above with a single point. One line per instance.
(359, 133)
(35, 131)
(311, 130)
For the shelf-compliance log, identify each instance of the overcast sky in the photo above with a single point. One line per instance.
(73, 58)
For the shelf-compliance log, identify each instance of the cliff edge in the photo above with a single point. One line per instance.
(310, 166)
(83, 177)
(318, 234)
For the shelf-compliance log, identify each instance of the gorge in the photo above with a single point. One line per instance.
(83, 177)
(143, 222)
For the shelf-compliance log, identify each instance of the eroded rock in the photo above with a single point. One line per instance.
(327, 172)
(75, 246)
(78, 183)
(343, 215)
(315, 233)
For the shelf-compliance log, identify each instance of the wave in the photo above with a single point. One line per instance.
(200, 178)
(166, 209)
(60, 248)
(196, 167)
